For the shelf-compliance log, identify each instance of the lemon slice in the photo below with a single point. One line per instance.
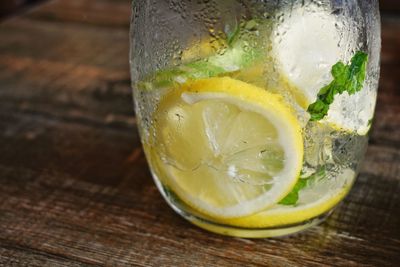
(226, 148)
(305, 46)
(316, 199)
(204, 48)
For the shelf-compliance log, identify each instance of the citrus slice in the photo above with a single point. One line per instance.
(305, 46)
(225, 147)
(203, 48)
(314, 200)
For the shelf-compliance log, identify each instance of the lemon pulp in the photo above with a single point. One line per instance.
(227, 148)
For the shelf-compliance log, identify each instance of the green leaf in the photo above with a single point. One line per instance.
(201, 69)
(232, 35)
(169, 77)
(234, 58)
(347, 78)
(293, 197)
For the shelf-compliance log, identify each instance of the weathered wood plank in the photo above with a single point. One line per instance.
(15, 255)
(70, 78)
(106, 13)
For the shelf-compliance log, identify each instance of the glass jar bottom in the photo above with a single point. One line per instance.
(229, 230)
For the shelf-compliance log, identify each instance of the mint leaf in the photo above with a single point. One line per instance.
(169, 77)
(293, 197)
(201, 69)
(346, 78)
(232, 35)
(236, 56)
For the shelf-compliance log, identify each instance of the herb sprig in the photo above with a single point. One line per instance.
(293, 197)
(347, 78)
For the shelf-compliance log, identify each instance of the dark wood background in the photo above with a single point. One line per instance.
(390, 5)
(75, 189)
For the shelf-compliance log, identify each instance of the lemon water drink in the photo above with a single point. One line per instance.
(259, 131)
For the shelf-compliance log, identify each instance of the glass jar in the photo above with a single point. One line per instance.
(254, 115)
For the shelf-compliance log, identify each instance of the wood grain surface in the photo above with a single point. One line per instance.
(75, 189)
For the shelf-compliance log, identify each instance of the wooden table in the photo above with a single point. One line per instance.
(75, 189)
